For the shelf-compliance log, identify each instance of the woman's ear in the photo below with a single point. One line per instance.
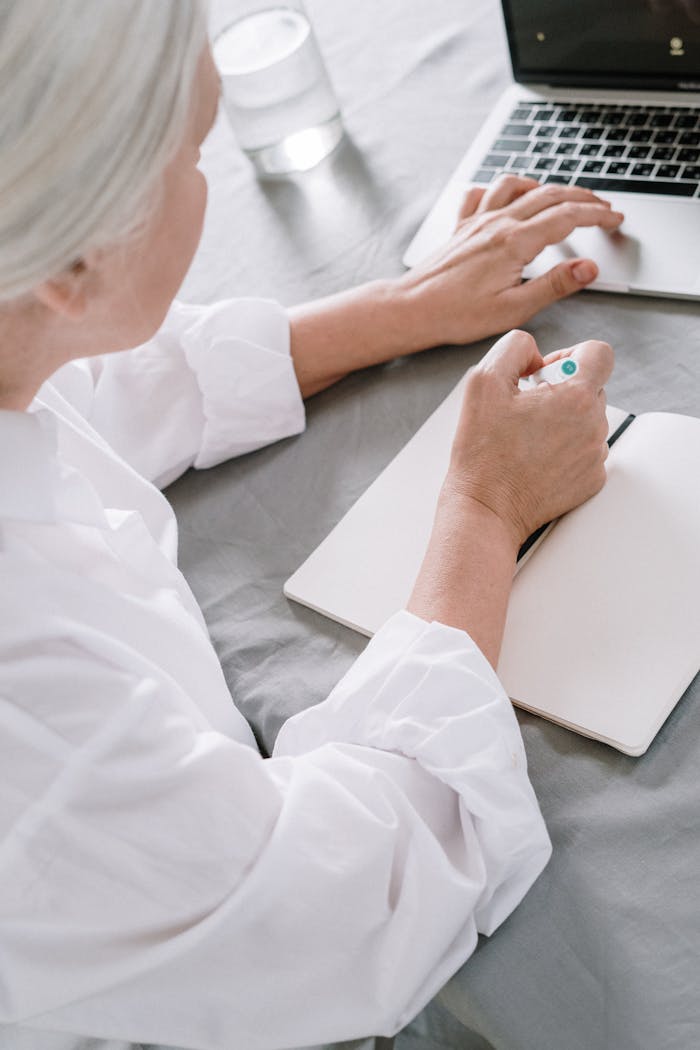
(66, 294)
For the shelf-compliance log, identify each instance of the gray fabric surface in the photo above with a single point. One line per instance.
(604, 954)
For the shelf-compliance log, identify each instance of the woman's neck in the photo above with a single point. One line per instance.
(29, 354)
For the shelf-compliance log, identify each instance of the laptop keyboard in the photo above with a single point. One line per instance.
(606, 148)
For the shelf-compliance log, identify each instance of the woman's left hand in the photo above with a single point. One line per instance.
(473, 286)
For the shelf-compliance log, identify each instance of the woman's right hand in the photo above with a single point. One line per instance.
(531, 455)
(519, 459)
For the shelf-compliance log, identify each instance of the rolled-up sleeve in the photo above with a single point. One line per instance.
(425, 691)
(215, 382)
(207, 897)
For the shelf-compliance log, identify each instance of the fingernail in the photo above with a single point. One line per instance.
(584, 272)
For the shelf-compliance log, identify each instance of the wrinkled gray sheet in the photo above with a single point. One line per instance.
(604, 954)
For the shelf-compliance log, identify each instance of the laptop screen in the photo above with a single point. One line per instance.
(606, 43)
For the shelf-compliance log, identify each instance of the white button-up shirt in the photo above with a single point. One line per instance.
(160, 881)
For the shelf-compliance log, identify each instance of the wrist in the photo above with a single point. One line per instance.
(440, 314)
(364, 326)
(467, 571)
(424, 324)
(459, 503)
(394, 306)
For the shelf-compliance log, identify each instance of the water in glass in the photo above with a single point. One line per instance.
(276, 90)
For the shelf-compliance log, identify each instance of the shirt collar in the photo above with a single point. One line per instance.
(28, 447)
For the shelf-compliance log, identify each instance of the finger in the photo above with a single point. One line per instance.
(555, 224)
(471, 202)
(557, 355)
(562, 280)
(550, 195)
(603, 403)
(505, 190)
(596, 361)
(514, 355)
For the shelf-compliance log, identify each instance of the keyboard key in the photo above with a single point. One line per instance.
(604, 184)
(617, 167)
(496, 160)
(594, 132)
(640, 135)
(619, 152)
(519, 130)
(685, 120)
(510, 145)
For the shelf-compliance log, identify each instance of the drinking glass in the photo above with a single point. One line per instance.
(276, 91)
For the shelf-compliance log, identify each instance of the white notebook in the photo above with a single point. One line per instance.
(603, 627)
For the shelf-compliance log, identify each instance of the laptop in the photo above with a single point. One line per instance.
(606, 96)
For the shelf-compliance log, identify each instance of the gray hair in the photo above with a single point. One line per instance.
(94, 97)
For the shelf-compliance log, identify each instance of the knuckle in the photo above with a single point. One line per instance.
(568, 210)
(523, 337)
(551, 194)
(557, 281)
(507, 181)
(583, 398)
(579, 395)
(477, 379)
(518, 340)
(607, 353)
(599, 347)
(501, 233)
(497, 236)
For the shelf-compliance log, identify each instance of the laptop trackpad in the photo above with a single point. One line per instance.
(657, 248)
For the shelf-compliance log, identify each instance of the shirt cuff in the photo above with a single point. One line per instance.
(239, 351)
(426, 691)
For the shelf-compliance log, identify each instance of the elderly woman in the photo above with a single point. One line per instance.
(160, 881)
